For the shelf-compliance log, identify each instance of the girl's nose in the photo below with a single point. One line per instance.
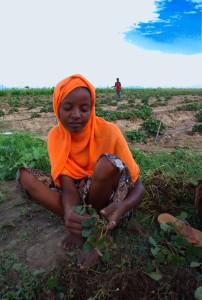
(76, 113)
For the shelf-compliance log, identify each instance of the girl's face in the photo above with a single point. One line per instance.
(75, 109)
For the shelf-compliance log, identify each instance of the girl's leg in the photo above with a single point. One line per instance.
(51, 200)
(48, 198)
(104, 182)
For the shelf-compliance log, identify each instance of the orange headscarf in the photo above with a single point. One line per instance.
(75, 154)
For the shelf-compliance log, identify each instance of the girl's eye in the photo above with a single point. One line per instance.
(67, 108)
(85, 109)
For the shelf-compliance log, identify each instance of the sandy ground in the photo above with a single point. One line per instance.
(31, 229)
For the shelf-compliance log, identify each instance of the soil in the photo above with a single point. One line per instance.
(33, 233)
(178, 134)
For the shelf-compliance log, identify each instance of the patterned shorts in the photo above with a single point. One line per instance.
(83, 185)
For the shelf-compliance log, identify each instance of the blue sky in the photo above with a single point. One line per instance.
(145, 43)
(177, 28)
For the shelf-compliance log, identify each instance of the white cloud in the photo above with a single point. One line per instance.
(190, 12)
(45, 41)
(197, 2)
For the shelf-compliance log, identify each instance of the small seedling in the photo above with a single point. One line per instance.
(95, 232)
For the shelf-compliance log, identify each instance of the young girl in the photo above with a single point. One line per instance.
(90, 162)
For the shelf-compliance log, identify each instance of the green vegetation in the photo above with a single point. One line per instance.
(27, 92)
(95, 232)
(21, 149)
(159, 103)
(143, 112)
(155, 253)
(199, 116)
(147, 260)
(153, 126)
(197, 127)
(189, 107)
(35, 115)
(136, 135)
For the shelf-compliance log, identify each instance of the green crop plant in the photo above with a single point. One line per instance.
(142, 111)
(189, 107)
(197, 128)
(2, 93)
(185, 101)
(131, 101)
(47, 109)
(21, 149)
(159, 103)
(136, 135)
(108, 101)
(35, 115)
(199, 116)
(153, 126)
(14, 102)
(169, 250)
(31, 105)
(15, 92)
(12, 110)
(145, 100)
(1, 113)
(95, 232)
(122, 106)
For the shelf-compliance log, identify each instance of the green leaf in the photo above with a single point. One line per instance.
(36, 153)
(80, 209)
(87, 246)
(93, 212)
(95, 228)
(198, 293)
(106, 239)
(155, 251)
(89, 222)
(100, 244)
(106, 255)
(152, 241)
(182, 216)
(174, 258)
(52, 282)
(92, 238)
(17, 266)
(195, 264)
(154, 275)
(86, 232)
(165, 227)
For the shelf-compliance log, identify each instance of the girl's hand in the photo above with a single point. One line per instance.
(113, 212)
(73, 221)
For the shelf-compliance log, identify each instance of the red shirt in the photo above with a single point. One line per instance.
(118, 85)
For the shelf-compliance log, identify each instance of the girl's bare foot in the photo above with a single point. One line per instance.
(71, 241)
(87, 259)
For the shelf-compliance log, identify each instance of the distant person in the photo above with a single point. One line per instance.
(118, 87)
(90, 163)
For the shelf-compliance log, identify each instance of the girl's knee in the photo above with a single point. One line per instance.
(22, 171)
(24, 175)
(105, 169)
